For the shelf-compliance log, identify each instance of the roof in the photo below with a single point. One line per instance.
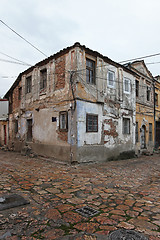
(131, 64)
(59, 54)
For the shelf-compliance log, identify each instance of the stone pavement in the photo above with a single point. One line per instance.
(126, 193)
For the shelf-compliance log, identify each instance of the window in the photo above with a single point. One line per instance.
(136, 131)
(137, 88)
(43, 79)
(28, 84)
(90, 71)
(63, 121)
(16, 126)
(91, 123)
(150, 132)
(126, 126)
(126, 85)
(111, 78)
(148, 93)
(29, 130)
(19, 93)
(156, 99)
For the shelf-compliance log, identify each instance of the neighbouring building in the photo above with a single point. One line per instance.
(3, 122)
(76, 105)
(157, 111)
(145, 117)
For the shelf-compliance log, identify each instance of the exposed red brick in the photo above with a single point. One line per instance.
(60, 73)
(63, 136)
(112, 132)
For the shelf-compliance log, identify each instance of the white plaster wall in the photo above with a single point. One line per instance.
(84, 137)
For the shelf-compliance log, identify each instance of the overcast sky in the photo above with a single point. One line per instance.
(119, 29)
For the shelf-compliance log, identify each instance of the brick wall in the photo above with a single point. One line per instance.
(63, 136)
(60, 73)
(16, 101)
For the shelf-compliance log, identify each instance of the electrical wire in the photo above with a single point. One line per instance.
(15, 59)
(23, 38)
(134, 59)
(8, 61)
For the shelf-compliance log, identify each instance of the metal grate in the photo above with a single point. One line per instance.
(11, 201)
(126, 235)
(87, 211)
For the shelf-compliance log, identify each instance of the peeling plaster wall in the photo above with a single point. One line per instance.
(83, 137)
(111, 104)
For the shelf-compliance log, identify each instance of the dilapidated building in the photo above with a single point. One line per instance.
(3, 122)
(145, 115)
(76, 105)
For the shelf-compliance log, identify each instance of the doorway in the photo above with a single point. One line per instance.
(143, 137)
(5, 134)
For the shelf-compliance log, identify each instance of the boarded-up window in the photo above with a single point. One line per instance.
(63, 121)
(29, 130)
(91, 123)
(43, 79)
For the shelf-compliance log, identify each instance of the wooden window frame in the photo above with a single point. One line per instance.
(90, 78)
(43, 79)
(63, 129)
(94, 117)
(28, 84)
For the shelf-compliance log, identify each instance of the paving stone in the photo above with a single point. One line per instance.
(157, 223)
(125, 225)
(87, 227)
(65, 207)
(53, 214)
(56, 190)
(143, 224)
(72, 217)
(129, 202)
(118, 212)
(53, 234)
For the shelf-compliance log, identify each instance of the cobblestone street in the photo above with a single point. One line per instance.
(126, 194)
